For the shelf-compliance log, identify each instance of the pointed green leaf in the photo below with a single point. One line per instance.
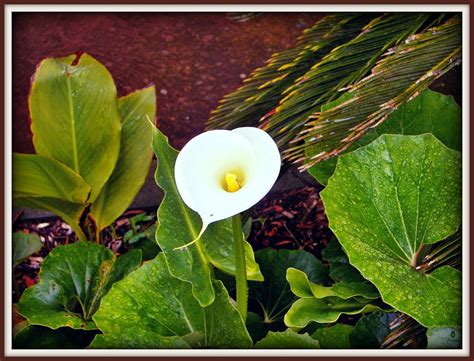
(74, 117)
(24, 245)
(134, 158)
(287, 340)
(179, 225)
(37, 176)
(73, 279)
(334, 337)
(326, 310)
(384, 202)
(302, 287)
(430, 112)
(157, 309)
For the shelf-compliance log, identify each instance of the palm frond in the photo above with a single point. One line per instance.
(262, 90)
(402, 73)
(345, 65)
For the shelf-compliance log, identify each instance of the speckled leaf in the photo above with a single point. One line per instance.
(274, 294)
(430, 112)
(73, 279)
(326, 310)
(179, 225)
(287, 340)
(74, 117)
(26, 336)
(134, 157)
(24, 245)
(370, 330)
(156, 308)
(384, 202)
(444, 337)
(334, 337)
(302, 287)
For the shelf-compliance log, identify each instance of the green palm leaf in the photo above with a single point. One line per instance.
(402, 74)
(263, 88)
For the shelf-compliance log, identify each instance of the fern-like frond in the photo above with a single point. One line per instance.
(402, 73)
(345, 65)
(262, 90)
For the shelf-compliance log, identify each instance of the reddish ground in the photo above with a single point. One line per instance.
(193, 58)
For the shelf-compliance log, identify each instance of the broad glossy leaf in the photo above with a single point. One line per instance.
(134, 158)
(179, 225)
(24, 245)
(287, 340)
(326, 310)
(73, 279)
(274, 294)
(430, 112)
(334, 337)
(26, 336)
(370, 331)
(74, 117)
(37, 176)
(157, 309)
(302, 287)
(444, 337)
(387, 199)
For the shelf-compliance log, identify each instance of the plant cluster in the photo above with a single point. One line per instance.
(392, 196)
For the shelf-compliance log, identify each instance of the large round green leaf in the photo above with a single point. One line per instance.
(134, 158)
(152, 309)
(179, 225)
(74, 117)
(384, 202)
(430, 112)
(73, 279)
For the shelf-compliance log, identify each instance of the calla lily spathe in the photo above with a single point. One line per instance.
(221, 173)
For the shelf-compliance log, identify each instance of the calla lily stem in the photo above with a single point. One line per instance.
(240, 269)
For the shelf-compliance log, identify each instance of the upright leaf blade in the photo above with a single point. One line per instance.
(134, 158)
(404, 192)
(24, 245)
(37, 176)
(74, 117)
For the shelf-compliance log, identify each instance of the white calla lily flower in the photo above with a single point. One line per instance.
(221, 173)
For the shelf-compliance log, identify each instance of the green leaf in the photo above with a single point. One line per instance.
(74, 117)
(326, 310)
(334, 337)
(24, 245)
(37, 176)
(370, 331)
(384, 202)
(147, 244)
(26, 336)
(344, 272)
(178, 225)
(156, 310)
(302, 287)
(73, 279)
(274, 294)
(400, 75)
(134, 158)
(430, 112)
(343, 66)
(287, 340)
(444, 337)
